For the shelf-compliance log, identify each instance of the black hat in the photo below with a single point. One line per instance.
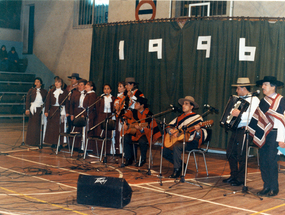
(270, 79)
(142, 101)
(74, 75)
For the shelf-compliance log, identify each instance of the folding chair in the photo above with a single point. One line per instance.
(111, 126)
(79, 122)
(202, 151)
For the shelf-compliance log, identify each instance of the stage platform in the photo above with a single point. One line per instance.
(37, 181)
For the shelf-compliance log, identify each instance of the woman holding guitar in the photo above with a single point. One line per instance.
(194, 137)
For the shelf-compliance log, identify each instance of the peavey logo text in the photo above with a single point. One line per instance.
(100, 180)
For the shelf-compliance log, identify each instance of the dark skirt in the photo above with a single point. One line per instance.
(34, 128)
(52, 130)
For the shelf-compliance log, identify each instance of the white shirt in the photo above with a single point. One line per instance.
(254, 104)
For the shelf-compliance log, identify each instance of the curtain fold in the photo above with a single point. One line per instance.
(184, 70)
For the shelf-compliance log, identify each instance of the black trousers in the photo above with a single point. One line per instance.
(174, 156)
(235, 155)
(128, 147)
(268, 161)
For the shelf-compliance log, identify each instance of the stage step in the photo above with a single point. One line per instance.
(13, 89)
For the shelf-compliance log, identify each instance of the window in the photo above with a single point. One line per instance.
(200, 8)
(92, 12)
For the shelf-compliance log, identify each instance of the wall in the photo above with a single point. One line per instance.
(124, 10)
(259, 8)
(10, 34)
(63, 49)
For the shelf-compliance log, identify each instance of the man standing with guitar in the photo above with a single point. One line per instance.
(194, 137)
(138, 129)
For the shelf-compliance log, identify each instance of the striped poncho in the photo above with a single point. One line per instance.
(262, 121)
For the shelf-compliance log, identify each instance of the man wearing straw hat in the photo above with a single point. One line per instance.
(267, 129)
(193, 141)
(236, 147)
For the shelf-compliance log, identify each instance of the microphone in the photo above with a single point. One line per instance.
(256, 93)
(103, 95)
(51, 86)
(211, 108)
(176, 109)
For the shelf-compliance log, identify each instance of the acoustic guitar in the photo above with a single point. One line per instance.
(171, 140)
(132, 130)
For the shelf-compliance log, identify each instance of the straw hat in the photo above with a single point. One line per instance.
(190, 99)
(243, 82)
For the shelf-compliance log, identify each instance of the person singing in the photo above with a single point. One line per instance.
(55, 114)
(267, 127)
(35, 100)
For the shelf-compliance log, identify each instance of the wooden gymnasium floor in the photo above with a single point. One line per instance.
(34, 181)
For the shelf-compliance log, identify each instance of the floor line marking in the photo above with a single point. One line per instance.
(202, 200)
(40, 194)
(42, 201)
(269, 209)
(56, 167)
(39, 178)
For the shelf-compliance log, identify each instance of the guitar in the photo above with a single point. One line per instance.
(170, 140)
(132, 130)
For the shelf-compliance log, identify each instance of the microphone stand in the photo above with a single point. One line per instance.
(182, 178)
(184, 128)
(41, 130)
(150, 145)
(24, 107)
(60, 105)
(90, 106)
(122, 140)
(161, 153)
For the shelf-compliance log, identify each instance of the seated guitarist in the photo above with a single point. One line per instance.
(142, 133)
(193, 139)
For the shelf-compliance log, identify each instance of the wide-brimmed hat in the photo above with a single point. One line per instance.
(190, 99)
(74, 75)
(244, 81)
(130, 80)
(142, 101)
(270, 79)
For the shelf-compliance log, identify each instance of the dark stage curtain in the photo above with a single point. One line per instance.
(184, 70)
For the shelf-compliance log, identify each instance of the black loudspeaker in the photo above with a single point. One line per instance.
(103, 191)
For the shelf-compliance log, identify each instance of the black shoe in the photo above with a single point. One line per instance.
(53, 146)
(229, 180)
(80, 151)
(176, 173)
(59, 148)
(236, 183)
(263, 192)
(128, 162)
(138, 164)
(273, 192)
